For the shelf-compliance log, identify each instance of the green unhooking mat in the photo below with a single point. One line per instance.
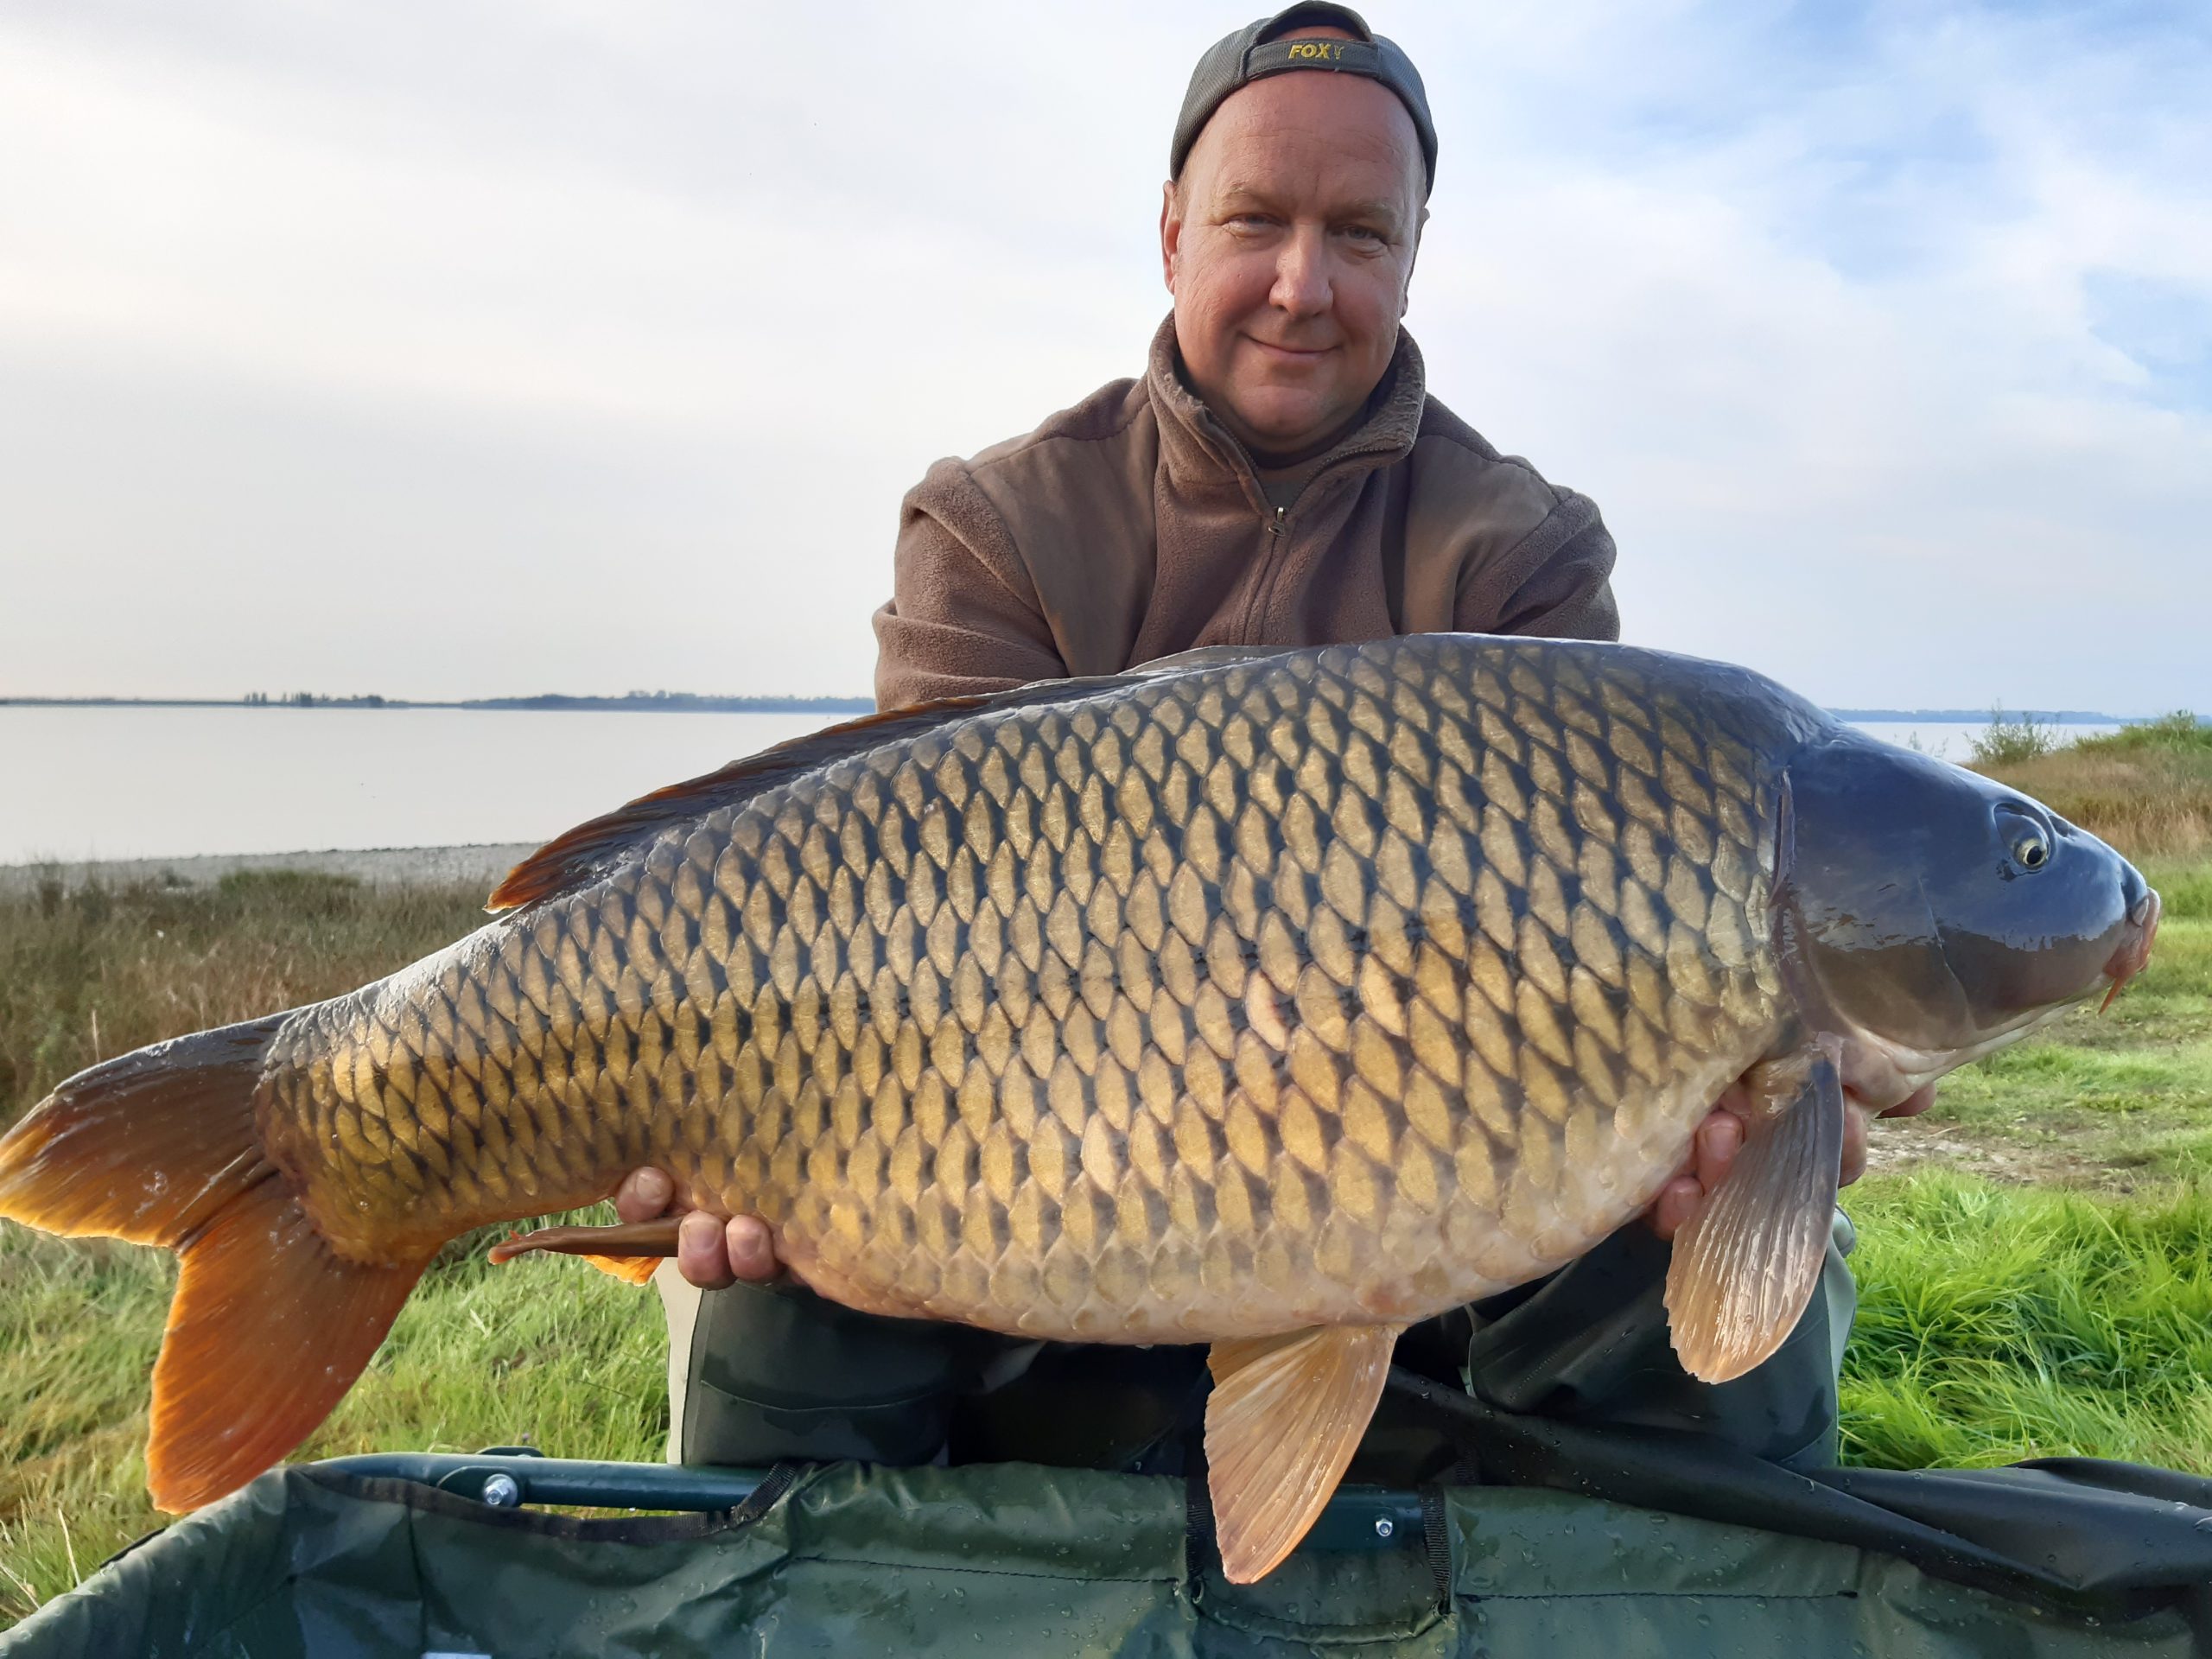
(1007, 1560)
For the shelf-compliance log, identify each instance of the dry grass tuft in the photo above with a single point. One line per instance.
(95, 972)
(2147, 789)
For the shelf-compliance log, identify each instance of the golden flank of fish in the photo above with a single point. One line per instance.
(1275, 1001)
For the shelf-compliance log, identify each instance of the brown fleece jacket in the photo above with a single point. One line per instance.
(1134, 525)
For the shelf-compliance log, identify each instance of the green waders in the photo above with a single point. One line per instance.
(776, 1373)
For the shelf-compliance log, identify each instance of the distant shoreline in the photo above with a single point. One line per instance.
(687, 704)
(479, 865)
(1985, 716)
(654, 704)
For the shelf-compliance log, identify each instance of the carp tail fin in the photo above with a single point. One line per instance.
(147, 1146)
(269, 1326)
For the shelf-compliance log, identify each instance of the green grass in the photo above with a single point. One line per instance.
(1996, 1324)
(543, 1352)
(95, 972)
(2181, 730)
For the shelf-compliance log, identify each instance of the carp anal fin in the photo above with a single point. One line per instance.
(631, 1251)
(1746, 1264)
(570, 861)
(1284, 1417)
(269, 1326)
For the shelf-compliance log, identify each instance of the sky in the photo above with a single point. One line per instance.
(491, 347)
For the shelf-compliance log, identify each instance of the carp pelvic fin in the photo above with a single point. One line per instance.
(269, 1326)
(630, 1270)
(1284, 1417)
(1744, 1265)
(631, 1251)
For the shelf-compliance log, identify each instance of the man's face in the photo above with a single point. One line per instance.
(1288, 244)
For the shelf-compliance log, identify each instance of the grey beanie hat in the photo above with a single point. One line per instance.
(1258, 50)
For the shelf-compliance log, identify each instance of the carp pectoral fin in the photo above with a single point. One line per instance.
(1284, 1419)
(1744, 1265)
(629, 1252)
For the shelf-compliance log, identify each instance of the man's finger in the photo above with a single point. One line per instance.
(1854, 1146)
(1677, 1202)
(702, 1256)
(752, 1249)
(1719, 1139)
(644, 1194)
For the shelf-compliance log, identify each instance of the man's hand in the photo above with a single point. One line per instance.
(710, 1253)
(1721, 1137)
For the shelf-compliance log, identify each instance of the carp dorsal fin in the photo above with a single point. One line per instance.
(1284, 1417)
(1198, 657)
(1745, 1265)
(570, 861)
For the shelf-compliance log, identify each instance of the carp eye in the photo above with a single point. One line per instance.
(2030, 848)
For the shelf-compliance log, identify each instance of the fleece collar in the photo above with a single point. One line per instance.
(1203, 456)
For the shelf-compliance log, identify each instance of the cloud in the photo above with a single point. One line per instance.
(478, 348)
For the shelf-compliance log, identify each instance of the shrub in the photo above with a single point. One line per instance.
(2010, 740)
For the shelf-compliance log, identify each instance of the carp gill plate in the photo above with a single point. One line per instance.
(1272, 1001)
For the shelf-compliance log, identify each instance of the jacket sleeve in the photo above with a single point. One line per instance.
(1563, 580)
(964, 616)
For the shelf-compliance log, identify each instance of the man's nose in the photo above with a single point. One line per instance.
(1302, 284)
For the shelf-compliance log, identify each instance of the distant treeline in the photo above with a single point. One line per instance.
(692, 703)
(1984, 716)
(681, 702)
(661, 702)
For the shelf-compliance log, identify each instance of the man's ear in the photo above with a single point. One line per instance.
(1406, 295)
(1170, 232)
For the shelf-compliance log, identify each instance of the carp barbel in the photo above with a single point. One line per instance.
(1274, 1001)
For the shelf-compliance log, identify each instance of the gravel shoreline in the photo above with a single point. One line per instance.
(381, 866)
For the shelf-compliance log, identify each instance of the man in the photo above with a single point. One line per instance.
(1279, 476)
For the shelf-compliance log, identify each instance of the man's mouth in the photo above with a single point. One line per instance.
(1290, 353)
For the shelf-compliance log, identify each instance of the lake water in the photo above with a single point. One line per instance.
(93, 783)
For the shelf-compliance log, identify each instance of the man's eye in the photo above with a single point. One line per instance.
(1365, 234)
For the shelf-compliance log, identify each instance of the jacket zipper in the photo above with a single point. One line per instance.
(1279, 527)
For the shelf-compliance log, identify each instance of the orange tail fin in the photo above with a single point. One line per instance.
(269, 1326)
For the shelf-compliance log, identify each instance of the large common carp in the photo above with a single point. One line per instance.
(1275, 1001)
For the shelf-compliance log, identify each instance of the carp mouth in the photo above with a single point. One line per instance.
(2134, 953)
